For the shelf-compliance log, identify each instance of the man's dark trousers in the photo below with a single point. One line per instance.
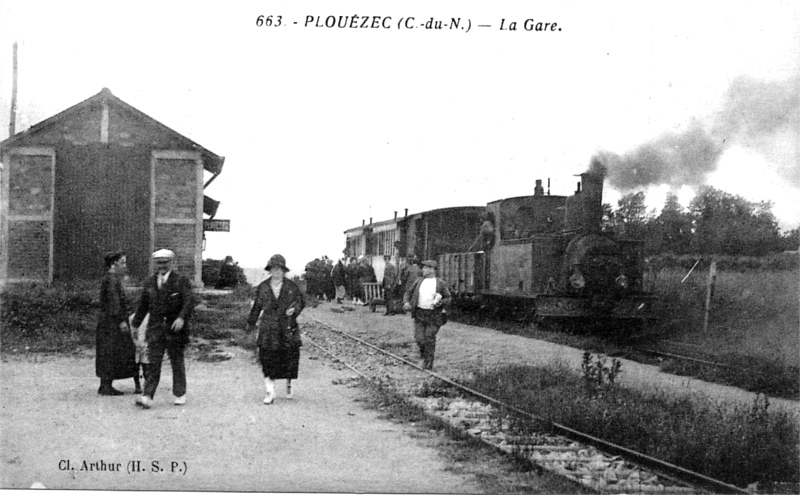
(426, 325)
(152, 371)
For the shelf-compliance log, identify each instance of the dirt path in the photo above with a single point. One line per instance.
(461, 348)
(224, 439)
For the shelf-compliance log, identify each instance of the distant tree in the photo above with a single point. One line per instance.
(790, 241)
(631, 217)
(672, 229)
(729, 224)
(211, 270)
(608, 217)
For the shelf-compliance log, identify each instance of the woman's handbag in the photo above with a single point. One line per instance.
(293, 339)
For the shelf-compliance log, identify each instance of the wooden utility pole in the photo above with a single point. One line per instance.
(712, 279)
(12, 123)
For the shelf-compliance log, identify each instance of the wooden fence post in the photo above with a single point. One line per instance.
(712, 279)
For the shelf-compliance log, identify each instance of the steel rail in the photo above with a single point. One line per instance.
(688, 358)
(697, 478)
(336, 358)
(698, 360)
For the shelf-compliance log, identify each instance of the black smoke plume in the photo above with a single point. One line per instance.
(755, 115)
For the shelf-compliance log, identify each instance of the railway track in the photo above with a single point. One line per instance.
(633, 348)
(690, 359)
(585, 459)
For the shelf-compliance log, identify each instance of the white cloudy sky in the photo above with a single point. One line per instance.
(322, 128)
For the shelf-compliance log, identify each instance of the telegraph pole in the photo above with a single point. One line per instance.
(12, 123)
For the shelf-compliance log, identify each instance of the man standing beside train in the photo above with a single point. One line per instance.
(427, 298)
(390, 285)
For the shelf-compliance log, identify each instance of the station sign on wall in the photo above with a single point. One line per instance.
(216, 225)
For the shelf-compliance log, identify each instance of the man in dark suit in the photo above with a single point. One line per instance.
(167, 296)
(390, 286)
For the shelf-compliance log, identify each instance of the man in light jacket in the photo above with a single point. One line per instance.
(426, 298)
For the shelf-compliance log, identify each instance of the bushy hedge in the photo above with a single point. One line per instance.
(211, 270)
(773, 262)
(48, 318)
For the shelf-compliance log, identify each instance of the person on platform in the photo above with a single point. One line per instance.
(366, 275)
(328, 287)
(427, 299)
(390, 285)
(410, 273)
(277, 304)
(167, 297)
(339, 278)
(352, 281)
(115, 358)
(228, 274)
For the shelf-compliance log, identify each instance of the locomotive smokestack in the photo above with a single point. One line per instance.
(583, 210)
(592, 199)
(538, 190)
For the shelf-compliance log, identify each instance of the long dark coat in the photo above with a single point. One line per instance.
(277, 331)
(352, 280)
(116, 354)
(339, 274)
(366, 274)
(279, 336)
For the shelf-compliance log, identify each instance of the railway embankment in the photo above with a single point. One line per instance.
(462, 348)
(735, 437)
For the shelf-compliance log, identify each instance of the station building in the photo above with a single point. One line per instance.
(97, 177)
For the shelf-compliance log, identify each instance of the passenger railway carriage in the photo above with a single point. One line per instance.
(423, 235)
(545, 255)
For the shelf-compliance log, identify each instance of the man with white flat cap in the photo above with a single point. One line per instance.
(167, 296)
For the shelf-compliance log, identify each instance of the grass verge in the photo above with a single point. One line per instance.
(63, 317)
(739, 445)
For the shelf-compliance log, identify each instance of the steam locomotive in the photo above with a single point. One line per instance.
(544, 255)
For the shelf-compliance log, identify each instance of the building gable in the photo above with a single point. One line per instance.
(104, 118)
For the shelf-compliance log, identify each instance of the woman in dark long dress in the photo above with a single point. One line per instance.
(116, 353)
(277, 304)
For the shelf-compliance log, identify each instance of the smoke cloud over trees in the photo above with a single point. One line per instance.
(761, 116)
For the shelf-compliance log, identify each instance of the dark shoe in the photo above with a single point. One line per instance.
(110, 391)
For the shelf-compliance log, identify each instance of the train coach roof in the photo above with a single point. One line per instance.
(405, 217)
(529, 196)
